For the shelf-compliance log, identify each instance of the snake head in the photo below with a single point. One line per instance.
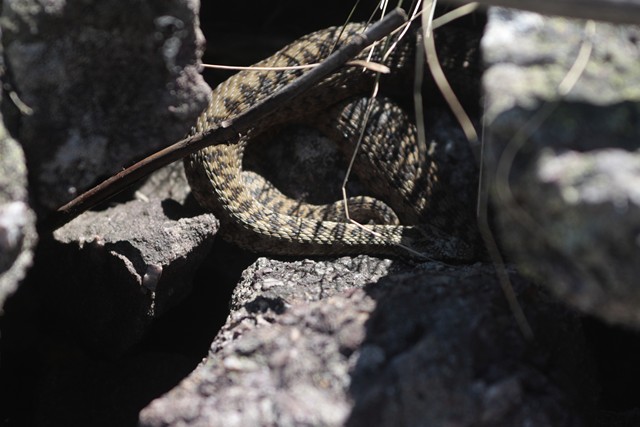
(424, 242)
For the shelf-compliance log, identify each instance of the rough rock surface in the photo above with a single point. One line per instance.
(336, 343)
(107, 83)
(566, 167)
(120, 268)
(17, 221)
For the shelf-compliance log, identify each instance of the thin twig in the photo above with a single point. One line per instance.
(372, 66)
(254, 68)
(228, 131)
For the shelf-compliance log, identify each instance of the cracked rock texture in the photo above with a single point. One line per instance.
(17, 220)
(566, 167)
(124, 266)
(106, 83)
(361, 341)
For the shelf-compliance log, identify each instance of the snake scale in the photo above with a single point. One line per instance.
(389, 156)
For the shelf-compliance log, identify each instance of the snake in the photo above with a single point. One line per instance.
(419, 218)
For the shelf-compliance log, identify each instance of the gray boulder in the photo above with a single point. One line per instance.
(121, 268)
(105, 83)
(565, 167)
(361, 341)
(17, 221)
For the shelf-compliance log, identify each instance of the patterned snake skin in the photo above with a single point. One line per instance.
(407, 178)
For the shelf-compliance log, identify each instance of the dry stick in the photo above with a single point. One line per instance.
(229, 130)
(614, 11)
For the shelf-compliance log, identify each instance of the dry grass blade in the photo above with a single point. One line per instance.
(438, 74)
(252, 68)
(373, 66)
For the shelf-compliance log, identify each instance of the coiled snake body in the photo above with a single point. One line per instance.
(432, 226)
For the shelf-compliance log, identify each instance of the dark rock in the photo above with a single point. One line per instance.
(120, 268)
(333, 343)
(103, 392)
(17, 220)
(565, 166)
(107, 82)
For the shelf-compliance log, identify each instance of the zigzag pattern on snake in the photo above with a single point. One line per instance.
(417, 212)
